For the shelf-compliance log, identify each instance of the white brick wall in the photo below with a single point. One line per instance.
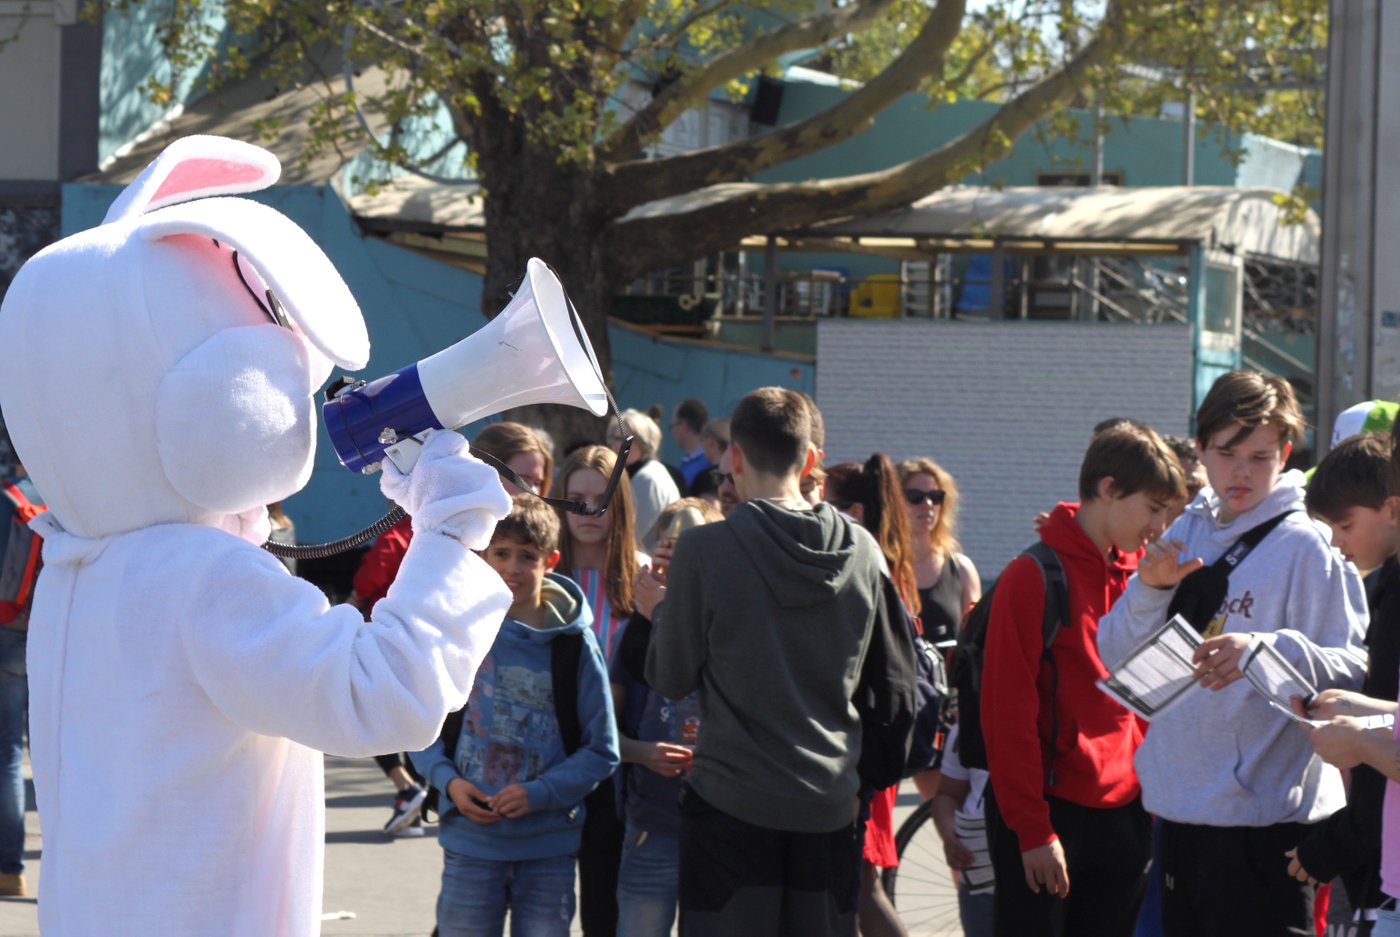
(1006, 407)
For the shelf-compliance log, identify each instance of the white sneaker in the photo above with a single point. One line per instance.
(408, 805)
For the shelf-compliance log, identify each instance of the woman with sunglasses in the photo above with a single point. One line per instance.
(600, 554)
(947, 581)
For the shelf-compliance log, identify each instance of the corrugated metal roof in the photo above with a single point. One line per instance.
(1245, 220)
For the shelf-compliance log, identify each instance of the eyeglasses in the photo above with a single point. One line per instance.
(917, 496)
(587, 508)
(721, 478)
(273, 308)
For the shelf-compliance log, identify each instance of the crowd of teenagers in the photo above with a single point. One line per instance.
(702, 701)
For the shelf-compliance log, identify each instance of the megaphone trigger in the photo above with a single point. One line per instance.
(404, 453)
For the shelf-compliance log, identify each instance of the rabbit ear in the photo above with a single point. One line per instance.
(194, 167)
(297, 272)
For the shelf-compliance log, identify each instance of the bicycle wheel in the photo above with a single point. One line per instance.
(921, 886)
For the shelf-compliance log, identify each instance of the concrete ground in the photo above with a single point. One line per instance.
(377, 886)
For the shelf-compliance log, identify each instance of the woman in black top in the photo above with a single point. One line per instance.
(948, 582)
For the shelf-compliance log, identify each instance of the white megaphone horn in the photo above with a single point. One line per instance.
(535, 351)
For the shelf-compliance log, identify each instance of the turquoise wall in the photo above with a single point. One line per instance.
(131, 53)
(414, 306)
(1144, 151)
(649, 369)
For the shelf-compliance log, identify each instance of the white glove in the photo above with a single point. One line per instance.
(449, 491)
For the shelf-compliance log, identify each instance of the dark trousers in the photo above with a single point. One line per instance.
(389, 762)
(599, 857)
(741, 880)
(1233, 880)
(1107, 851)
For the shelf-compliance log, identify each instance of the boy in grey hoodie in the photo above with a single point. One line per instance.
(1234, 782)
(769, 615)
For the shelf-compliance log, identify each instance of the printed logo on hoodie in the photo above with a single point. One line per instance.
(1243, 605)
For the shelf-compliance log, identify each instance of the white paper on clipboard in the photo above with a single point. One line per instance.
(1156, 673)
(1274, 678)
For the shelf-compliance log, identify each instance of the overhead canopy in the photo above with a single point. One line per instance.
(1243, 220)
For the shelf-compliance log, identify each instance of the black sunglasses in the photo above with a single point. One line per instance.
(720, 478)
(916, 496)
(573, 507)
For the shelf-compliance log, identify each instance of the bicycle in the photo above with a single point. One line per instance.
(927, 899)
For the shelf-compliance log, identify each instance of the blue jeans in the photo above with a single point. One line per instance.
(975, 911)
(647, 883)
(1387, 924)
(14, 698)
(476, 892)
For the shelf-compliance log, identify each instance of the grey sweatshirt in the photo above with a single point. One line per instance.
(1227, 758)
(769, 614)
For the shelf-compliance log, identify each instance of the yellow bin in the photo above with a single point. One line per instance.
(877, 297)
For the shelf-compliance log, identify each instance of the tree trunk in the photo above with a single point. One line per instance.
(525, 181)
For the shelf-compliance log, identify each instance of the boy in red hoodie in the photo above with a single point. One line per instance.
(1063, 803)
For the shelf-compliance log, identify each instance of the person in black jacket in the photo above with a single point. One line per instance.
(1351, 491)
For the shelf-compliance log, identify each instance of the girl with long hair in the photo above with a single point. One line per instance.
(948, 584)
(600, 554)
(870, 494)
(947, 581)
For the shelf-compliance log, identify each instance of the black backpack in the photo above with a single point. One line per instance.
(565, 652)
(932, 702)
(886, 697)
(965, 673)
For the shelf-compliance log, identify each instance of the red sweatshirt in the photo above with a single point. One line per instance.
(381, 563)
(1095, 738)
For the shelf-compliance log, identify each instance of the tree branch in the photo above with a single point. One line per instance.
(730, 212)
(672, 101)
(637, 182)
(624, 19)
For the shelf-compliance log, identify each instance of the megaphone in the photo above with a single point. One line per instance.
(534, 352)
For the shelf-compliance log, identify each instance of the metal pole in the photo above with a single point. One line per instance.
(770, 293)
(1096, 174)
(1188, 156)
(998, 300)
(1090, 310)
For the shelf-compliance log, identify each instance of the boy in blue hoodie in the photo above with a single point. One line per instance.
(513, 793)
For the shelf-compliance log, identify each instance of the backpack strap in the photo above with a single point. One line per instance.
(16, 609)
(565, 655)
(1250, 539)
(1055, 616)
(1056, 591)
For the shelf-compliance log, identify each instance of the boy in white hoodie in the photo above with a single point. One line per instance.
(1233, 781)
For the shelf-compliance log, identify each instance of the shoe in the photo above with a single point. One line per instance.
(12, 884)
(413, 829)
(408, 805)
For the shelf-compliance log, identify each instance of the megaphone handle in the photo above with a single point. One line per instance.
(404, 453)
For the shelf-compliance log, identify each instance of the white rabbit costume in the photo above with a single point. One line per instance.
(182, 684)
